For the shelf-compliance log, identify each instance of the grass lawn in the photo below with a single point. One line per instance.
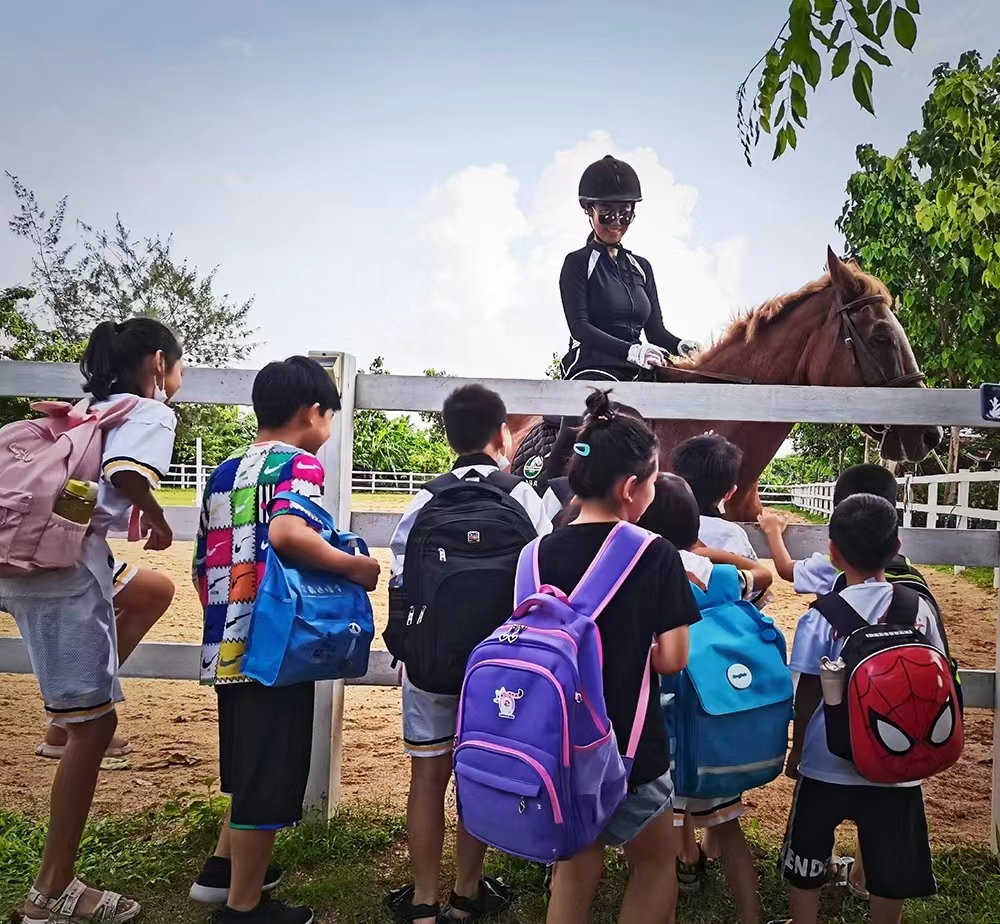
(343, 869)
(184, 497)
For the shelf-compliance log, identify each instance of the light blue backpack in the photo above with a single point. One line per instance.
(308, 624)
(728, 711)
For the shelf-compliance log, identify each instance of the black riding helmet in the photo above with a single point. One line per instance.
(609, 180)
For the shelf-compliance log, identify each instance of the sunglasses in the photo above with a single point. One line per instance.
(609, 214)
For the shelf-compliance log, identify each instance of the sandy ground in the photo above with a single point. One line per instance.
(172, 725)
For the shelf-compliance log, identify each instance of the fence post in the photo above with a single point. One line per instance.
(337, 456)
(907, 501)
(932, 505)
(963, 504)
(199, 486)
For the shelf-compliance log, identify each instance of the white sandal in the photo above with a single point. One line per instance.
(111, 909)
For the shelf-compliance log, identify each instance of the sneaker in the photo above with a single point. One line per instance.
(212, 885)
(267, 912)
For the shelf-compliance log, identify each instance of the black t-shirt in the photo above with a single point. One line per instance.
(655, 598)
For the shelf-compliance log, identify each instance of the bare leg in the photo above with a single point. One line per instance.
(803, 905)
(429, 778)
(72, 795)
(574, 882)
(224, 848)
(741, 872)
(469, 858)
(651, 895)
(251, 855)
(688, 851)
(886, 910)
(857, 874)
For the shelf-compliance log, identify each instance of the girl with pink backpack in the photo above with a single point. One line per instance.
(68, 479)
(612, 474)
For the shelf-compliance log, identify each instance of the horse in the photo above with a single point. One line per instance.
(839, 330)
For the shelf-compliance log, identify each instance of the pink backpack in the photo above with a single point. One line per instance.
(37, 458)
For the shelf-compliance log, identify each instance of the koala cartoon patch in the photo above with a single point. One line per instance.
(507, 700)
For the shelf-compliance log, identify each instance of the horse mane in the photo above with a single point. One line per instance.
(755, 320)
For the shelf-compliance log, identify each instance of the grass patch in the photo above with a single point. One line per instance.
(380, 503)
(175, 497)
(343, 869)
(979, 577)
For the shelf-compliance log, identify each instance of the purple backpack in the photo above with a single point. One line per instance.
(537, 768)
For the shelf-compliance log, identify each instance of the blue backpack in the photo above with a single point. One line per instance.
(309, 624)
(728, 711)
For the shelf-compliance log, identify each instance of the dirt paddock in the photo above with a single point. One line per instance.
(172, 724)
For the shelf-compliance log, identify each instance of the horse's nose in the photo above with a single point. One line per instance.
(933, 437)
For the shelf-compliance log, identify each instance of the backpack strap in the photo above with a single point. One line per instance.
(322, 515)
(844, 618)
(436, 485)
(903, 608)
(526, 580)
(645, 690)
(505, 481)
(614, 562)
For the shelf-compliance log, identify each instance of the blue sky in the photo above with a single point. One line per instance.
(398, 177)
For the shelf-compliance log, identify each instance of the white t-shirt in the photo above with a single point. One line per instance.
(814, 575)
(814, 640)
(697, 565)
(717, 533)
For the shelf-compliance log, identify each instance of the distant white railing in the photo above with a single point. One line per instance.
(818, 499)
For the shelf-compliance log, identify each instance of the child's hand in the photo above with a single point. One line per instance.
(792, 765)
(771, 523)
(366, 572)
(155, 526)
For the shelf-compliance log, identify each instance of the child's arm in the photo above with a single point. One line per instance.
(773, 526)
(808, 696)
(136, 489)
(760, 573)
(293, 538)
(670, 651)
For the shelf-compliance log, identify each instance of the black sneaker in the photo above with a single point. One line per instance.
(212, 885)
(267, 912)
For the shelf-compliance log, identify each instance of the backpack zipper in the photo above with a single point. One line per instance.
(550, 787)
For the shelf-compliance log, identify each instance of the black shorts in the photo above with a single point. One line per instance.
(892, 834)
(265, 745)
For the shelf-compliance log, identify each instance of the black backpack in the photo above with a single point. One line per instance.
(458, 576)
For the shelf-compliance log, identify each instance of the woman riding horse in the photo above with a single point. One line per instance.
(610, 299)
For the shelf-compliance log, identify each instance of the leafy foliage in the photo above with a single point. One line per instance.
(554, 369)
(223, 429)
(841, 31)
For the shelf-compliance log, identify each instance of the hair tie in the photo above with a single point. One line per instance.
(582, 449)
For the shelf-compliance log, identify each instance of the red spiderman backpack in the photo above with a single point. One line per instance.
(899, 720)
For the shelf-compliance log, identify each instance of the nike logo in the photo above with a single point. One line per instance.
(218, 580)
(205, 665)
(215, 549)
(232, 622)
(307, 467)
(264, 546)
(244, 505)
(271, 469)
(230, 662)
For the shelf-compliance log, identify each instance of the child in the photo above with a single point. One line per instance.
(674, 515)
(475, 422)
(612, 473)
(892, 829)
(265, 733)
(66, 617)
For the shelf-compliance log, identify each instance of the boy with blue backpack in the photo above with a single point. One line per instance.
(455, 551)
(265, 732)
(562, 748)
(730, 707)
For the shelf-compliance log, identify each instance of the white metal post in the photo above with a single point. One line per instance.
(199, 484)
(932, 505)
(337, 456)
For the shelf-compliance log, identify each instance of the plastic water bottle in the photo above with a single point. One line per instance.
(77, 501)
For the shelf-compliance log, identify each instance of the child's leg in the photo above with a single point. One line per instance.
(886, 910)
(856, 877)
(429, 778)
(574, 882)
(741, 871)
(251, 856)
(688, 851)
(803, 905)
(651, 895)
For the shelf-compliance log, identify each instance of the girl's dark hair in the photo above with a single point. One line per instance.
(115, 354)
(673, 513)
(610, 445)
(711, 465)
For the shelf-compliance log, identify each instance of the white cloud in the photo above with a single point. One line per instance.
(493, 308)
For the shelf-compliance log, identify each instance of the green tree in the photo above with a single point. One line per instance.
(927, 222)
(842, 32)
(554, 369)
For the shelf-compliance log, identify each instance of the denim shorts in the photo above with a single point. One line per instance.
(642, 805)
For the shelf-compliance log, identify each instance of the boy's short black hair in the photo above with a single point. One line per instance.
(711, 465)
(673, 513)
(865, 531)
(281, 389)
(866, 479)
(472, 416)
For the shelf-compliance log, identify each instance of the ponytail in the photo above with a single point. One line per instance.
(115, 354)
(610, 445)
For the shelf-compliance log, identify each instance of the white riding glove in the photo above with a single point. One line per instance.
(687, 347)
(642, 354)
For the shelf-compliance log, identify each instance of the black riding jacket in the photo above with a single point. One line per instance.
(608, 304)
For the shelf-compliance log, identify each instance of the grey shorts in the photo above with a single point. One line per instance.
(70, 637)
(430, 721)
(641, 806)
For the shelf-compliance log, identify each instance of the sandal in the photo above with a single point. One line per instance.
(111, 909)
(56, 751)
(492, 899)
(690, 875)
(399, 903)
(855, 891)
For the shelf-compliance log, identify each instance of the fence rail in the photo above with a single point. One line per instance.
(786, 404)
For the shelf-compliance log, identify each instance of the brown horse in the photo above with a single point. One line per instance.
(838, 330)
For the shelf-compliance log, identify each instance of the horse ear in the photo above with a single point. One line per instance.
(845, 283)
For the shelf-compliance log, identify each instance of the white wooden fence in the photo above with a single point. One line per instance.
(818, 499)
(785, 404)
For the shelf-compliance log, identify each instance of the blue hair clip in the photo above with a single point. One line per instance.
(582, 449)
